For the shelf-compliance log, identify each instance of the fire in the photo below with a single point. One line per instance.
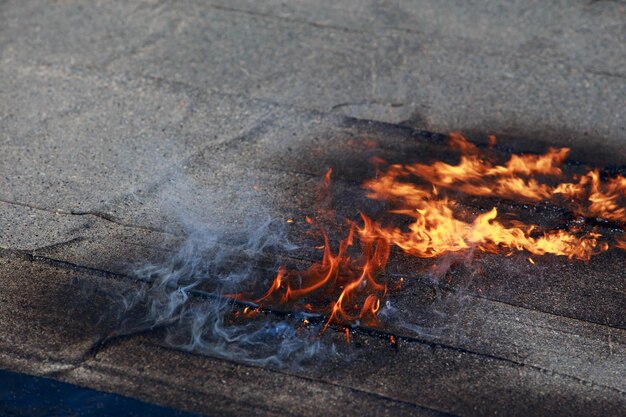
(594, 198)
(475, 175)
(436, 231)
(352, 282)
(441, 224)
(346, 287)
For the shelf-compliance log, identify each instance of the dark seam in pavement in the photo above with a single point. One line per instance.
(396, 29)
(432, 345)
(241, 137)
(152, 39)
(69, 367)
(114, 338)
(157, 82)
(43, 124)
(30, 256)
(73, 266)
(253, 132)
(29, 357)
(200, 93)
(406, 30)
(495, 300)
(186, 390)
(192, 89)
(555, 329)
(318, 25)
(250, 97)
(410, 31)
(31, 206)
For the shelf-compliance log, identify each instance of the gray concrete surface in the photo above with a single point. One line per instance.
(122, 121)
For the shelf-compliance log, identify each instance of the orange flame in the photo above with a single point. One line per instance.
(350, 282)
(343, 288)
(439, 226)
(593, 198)
(443, 225)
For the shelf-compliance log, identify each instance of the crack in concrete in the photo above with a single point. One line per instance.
(367, 103)
(96, 213)
(606, 73)
(286, 19)
(30, 256)
(57, 245)
(110, 218)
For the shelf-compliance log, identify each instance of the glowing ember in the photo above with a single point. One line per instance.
(346, 289)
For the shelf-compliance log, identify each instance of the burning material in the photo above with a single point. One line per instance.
(347, 289)
(351, 281)
(230, 297)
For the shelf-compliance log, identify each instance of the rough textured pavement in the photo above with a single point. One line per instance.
(121, 121)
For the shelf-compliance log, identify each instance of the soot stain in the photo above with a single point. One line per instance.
(350, 149)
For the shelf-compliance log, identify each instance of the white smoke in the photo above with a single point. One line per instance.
(187, 295)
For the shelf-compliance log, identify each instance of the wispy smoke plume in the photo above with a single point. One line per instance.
(187, 295)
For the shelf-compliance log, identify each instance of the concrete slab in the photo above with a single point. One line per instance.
(124, 126)
(54, 330)
(116, 140)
